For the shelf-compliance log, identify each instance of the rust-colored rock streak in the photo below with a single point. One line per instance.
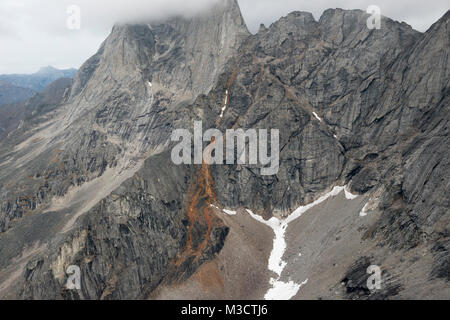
(200, 211)
(202, 197)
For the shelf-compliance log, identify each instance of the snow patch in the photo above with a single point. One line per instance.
(302, 209)
(317, 117)
(286, 290)
(225, 104)
(276, 263)
(229, 212)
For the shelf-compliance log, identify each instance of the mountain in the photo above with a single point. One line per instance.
(10, 93)
(363, 177)
(11, 115)
(39, 80)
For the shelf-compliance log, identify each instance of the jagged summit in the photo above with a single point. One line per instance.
(120, 97)
(196, 49)
(441, 24)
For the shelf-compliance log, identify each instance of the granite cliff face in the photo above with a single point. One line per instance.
(88, 180)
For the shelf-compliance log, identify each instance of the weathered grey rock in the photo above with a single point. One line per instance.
(13, 114)
(131, 115)
(90, 183)
(38, 81)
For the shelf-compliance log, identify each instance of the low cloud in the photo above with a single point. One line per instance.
(34, 33)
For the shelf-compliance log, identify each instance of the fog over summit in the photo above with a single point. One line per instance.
(41, 25)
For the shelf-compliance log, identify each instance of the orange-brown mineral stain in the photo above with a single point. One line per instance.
(200, 210)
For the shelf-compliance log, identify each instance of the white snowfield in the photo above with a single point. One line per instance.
(225, 104)
(286, 290)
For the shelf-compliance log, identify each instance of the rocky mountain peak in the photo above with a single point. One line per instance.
(363, 125)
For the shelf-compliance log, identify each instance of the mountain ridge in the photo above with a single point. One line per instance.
(39, 80)
(354, 106)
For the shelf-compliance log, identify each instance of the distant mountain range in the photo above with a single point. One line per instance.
(19, 87)
(10, 93)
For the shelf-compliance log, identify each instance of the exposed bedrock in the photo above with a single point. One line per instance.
(89, 181)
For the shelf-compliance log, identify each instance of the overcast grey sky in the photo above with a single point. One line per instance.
(34, 33)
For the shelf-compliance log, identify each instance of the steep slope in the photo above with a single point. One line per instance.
(118, 109)
(363, 108)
